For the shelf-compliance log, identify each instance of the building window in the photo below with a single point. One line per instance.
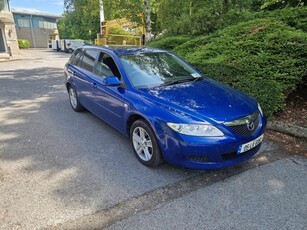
(41, 24)
(47, 25)
(4, 6)
(23, 22)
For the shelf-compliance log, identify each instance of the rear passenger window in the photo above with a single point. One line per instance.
(75, 57)
(88, 59)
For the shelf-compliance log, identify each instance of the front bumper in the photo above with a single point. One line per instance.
(207, 152)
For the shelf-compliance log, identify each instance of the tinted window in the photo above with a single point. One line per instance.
(88, 59)
(75, 57)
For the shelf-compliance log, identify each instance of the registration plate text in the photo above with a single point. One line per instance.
(249, 145)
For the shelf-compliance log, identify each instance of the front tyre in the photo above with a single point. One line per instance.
(73, 99)
(145, 144)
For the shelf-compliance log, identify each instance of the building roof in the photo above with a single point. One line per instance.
(34, 12)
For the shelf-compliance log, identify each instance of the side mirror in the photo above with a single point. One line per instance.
(111, 81)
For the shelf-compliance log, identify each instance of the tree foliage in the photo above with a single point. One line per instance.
(81, 19)
(197, 17)
(277, 4)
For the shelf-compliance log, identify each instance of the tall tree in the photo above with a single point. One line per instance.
(81, 19)
(82, 16)
(147, 20)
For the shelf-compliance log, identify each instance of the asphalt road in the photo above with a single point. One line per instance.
(255, 199)
(62, 169)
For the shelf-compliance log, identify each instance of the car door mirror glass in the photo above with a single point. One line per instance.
(111, 81)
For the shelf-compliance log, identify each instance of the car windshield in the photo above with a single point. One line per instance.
(146, 70)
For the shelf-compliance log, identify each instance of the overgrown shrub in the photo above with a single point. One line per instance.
(265, 58)
(169, 43)
(295, 17)
(23, 43)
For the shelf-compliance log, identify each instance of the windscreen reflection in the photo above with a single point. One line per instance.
(146, 70)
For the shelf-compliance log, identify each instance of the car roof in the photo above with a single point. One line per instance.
(120, 50)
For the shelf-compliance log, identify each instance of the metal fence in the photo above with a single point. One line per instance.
(120, 40)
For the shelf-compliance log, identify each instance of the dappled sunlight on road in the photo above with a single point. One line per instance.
(7, 136)
(276, 186)
(21, 105)
(262, 159)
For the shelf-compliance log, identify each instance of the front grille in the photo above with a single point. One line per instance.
(199, 158)
(245, 126)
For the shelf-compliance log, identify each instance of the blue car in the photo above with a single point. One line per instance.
(168, 109)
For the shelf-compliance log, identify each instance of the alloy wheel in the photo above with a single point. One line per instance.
(73, 98)
(142, 143)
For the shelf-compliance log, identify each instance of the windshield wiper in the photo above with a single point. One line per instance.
(198, 78)
(177, 81)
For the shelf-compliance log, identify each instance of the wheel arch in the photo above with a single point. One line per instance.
(68, 85)
(131, 119)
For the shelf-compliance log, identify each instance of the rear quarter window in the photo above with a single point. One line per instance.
(88, 59)
(75, 57)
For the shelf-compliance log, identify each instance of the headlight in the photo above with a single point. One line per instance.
(201, 130)
(260, 110)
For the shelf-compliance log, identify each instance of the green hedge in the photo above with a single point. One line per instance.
(23, 43)
(169, 43)
(266, 58)
(295, 17)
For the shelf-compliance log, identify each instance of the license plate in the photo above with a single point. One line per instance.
(249, 145)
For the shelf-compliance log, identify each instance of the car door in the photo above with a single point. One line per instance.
(83, 78)
(110, 99)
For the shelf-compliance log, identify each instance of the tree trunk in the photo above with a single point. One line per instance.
(290, 129)
(147, 21)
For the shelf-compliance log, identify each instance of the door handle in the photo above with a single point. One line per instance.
(94, 84)
(71, 72)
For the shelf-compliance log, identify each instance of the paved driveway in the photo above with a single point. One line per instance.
(62, 169)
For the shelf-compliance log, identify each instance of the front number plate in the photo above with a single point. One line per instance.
(245, 147)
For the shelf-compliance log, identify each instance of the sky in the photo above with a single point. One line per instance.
(47, 6)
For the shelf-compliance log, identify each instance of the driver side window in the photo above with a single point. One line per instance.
(106, 66)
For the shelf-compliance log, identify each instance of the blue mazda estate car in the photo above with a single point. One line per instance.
(168, 109)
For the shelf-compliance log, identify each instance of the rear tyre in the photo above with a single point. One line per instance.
(144, 143)
(73, 99)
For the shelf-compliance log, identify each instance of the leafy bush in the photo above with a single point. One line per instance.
(23, 43)
(169, 43)
(295, 17)
(265, 58)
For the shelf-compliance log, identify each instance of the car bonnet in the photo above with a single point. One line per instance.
(205, 99)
